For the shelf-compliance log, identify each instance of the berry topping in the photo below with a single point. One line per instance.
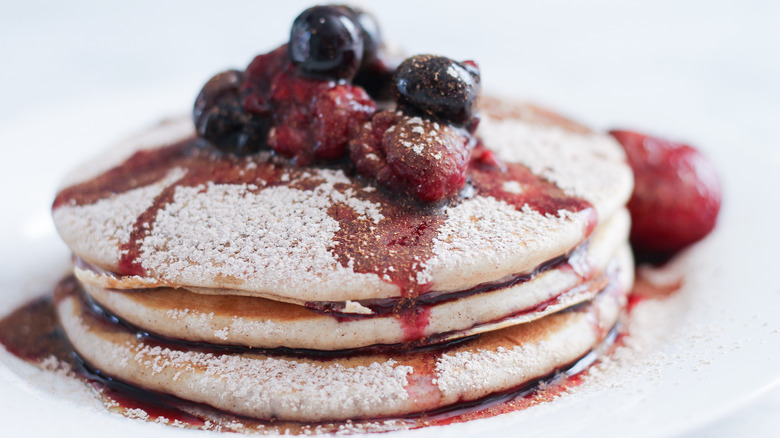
(259, 76)
(326, 43)
(413, 155)
(220, 118)
(315, 119)
(437, 87)
(676, 197)
(310, 119)
(299, 101)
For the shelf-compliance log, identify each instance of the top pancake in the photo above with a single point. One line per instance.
(166, 211)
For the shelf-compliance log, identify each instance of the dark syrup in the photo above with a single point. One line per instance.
(34, 334)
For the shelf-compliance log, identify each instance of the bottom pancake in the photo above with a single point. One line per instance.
(298, 388)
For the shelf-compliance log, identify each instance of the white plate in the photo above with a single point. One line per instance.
(701, 354)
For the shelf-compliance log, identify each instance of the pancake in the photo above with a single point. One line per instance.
(344, 387)
(277, 291)
(263, 323)
(265, 229)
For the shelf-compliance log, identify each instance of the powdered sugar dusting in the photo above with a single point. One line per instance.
(247, 383)
(586, 165)
(482, 371)
(103, 226)
(221, 235)
(272, 385)
(512, 187)
(484, 231)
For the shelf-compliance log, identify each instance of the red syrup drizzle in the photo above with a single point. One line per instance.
(397, 248)
(203, 165)
(488, 177)
(33, 333)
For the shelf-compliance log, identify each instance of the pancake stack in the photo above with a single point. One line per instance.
(310, 294)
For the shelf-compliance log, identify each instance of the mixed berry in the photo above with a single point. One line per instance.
(313, 119)
(677, 194)
(424, 148)
(413, 155)
(313, 100)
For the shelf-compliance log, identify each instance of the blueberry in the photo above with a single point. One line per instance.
(326, 43)
(437, 87)
(220, 118)
(369, 31)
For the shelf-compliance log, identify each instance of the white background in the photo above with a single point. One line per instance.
(706, 72)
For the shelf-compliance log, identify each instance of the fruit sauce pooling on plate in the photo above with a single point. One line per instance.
(295, 109)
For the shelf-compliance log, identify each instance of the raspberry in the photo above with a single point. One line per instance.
(339, 111)
(315, 119)
(259, 75)
(310, 119)
(412, 155)
(677, 194)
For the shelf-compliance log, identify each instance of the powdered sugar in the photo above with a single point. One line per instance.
(586, 165)
(276, 238)
(250, 384)
(100, 228)
(483, 231)
(512, 187)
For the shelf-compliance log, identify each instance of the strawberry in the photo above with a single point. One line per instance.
(677, 193)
